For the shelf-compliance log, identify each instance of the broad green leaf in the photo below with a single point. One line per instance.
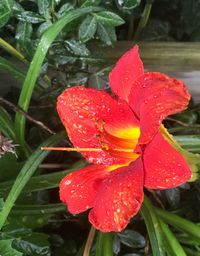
(34, 244)
(132, 239)
(153, 227)
(43, 7)
(87, 28)
(6, 124)
(128, 5)
(106, 34)
(76, 48)
(6, 248)
(35, 66)
(23, 35)
(31, 17)
(5, 11)
(64, 9)
(109, 18)
(24, 175)
(85, 3)
(42, 28)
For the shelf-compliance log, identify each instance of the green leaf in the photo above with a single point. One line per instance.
(85, 3)
(35, 66)
(23, 36)
(42, 182)
(128, 5)
(6, 248)
(180, 223)
(109, 18)
(87, 28)
(6, 124)
(65, 9)
(153, 227)
(43, 7)
(9, 167)
(132, 239)
(104, 244)
(106, 34)
(172, 244)
(42, 28)
(25, 174)
(76, 48)
(30, 17)
(34, 244)
(5, 11)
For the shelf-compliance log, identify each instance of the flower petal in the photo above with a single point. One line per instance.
(153, 97)
(84, 112)
(128, 68)
(119, 198)
(78, 189)
(164, 166)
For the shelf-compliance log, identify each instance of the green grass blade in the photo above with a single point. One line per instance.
(153, 227)
(41, 182)
(11, 69)
(6, 124)
(35, 66)
(104, 244)
(37, 209)
(23, 177)
(180, 223)
(172, 244)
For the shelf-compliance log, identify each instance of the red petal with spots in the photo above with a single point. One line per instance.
(78, 189)
(128, 68)
(153, 97)
(84, 112)
(164, 166)
(119, 198)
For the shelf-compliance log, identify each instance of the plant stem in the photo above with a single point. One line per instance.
(143, 20)
(89, 242)
(104, 245)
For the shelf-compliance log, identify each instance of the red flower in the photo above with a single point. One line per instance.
(128, 151)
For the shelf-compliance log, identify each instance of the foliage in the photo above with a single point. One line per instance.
(47, 46)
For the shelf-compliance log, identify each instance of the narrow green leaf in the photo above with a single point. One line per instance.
(5, 11)
(37, 209)
(8, 67)
(104, 244)
(41, 182)
(35, 66)
(109, 18)
(87, 28)
(6, 124)
(153, 227)
(128, 5)
(172, 244)
(23, 177)
(179, 223)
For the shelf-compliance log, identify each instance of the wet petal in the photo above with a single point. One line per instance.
(78, 189)
(128, 68)
(164, 166)
(85, 111)
(119, 198)
(153, 97)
